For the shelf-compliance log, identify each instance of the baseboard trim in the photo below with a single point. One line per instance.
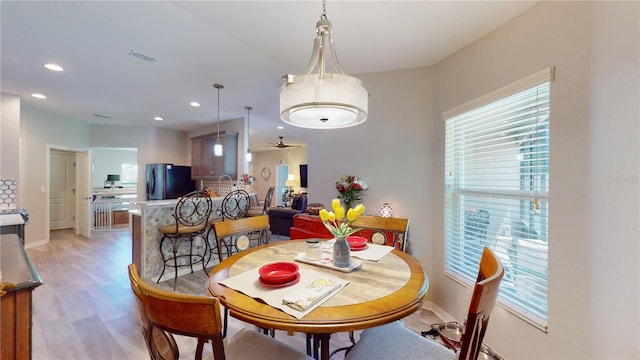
(31, 244)
(438, 311)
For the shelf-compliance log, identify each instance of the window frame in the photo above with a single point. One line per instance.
(458, 219)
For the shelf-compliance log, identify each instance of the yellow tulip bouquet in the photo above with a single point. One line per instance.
(335, 220)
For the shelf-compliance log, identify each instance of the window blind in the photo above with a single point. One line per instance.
(496, 192)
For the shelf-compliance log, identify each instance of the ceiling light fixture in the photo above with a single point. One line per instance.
(217, 148)
(158, 118)
(248, 156)
(194, 103)
(38, 96)
(53, 67)
(321, 99)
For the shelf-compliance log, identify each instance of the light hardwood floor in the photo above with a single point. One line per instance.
(85, 308)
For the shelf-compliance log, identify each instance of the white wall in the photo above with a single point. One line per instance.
(270, 159)
(593, 236)
(109, 161)
(391, 152)
(39, 131)
(10, 135)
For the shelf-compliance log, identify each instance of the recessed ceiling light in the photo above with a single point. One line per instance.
(280, 127)
(194, 103)
(53, 67)
(158, 118)
(38, 96)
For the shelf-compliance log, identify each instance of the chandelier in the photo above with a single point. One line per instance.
(248, 155)
(317, 98)
(217, 148)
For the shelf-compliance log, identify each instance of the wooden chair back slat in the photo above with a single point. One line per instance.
(483, 300)
(399, 227)
(240, 226)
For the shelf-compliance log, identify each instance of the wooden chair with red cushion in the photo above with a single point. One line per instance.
(395, 341)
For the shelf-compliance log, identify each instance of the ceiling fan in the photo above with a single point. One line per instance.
(282, 145)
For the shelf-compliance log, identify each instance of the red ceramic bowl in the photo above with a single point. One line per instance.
(278, 272)
(356, 241)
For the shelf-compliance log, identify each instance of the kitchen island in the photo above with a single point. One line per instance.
(147, 220)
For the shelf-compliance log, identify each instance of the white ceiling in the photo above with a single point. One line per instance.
(245, 45)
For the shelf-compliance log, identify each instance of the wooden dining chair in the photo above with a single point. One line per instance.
(163, 344)
(231, 236)
(395, 341)
(199, 317)
(384, 230)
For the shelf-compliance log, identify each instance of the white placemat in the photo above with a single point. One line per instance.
(373, 252)
(249, 284)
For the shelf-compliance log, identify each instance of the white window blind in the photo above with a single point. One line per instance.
(496, 191)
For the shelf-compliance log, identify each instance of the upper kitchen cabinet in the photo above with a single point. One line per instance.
(206, 166)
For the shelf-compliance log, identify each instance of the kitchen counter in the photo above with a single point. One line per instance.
(15, 305)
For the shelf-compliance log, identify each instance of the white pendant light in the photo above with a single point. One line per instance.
(217, 148)
(248, 156)
(318, 99)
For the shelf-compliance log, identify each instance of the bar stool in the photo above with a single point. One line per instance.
(235, 205)
(191, 219)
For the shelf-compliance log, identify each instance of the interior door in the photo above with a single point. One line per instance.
(62, 195)
(84, 220)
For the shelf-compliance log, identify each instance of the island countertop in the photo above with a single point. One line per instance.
(15, 265)
(147, 220)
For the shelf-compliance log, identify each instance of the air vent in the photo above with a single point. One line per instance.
(145, 57)
(102, 116)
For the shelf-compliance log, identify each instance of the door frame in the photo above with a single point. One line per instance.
(48, 187)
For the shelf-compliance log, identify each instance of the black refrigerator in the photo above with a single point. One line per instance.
(168, 181)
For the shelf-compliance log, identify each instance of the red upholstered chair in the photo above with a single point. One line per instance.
(308, 227)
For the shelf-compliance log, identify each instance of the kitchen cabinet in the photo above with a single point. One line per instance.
(206, 166)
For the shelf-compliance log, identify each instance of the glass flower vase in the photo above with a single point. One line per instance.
(341, 253)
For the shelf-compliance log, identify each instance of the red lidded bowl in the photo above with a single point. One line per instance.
(278, 272)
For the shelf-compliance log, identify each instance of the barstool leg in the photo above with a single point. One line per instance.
(175, 261)
(164, 260)
(191, 252)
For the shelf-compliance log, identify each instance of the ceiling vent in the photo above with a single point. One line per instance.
(102, 116)
(145, 57)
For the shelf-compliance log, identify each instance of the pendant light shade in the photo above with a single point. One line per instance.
(318, 99)
(217, 148)
(248, 156)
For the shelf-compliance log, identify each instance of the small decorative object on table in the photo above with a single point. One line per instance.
(385, 210)
(349, 188)
(340, 227)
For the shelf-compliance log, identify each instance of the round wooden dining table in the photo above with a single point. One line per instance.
(378, 292)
